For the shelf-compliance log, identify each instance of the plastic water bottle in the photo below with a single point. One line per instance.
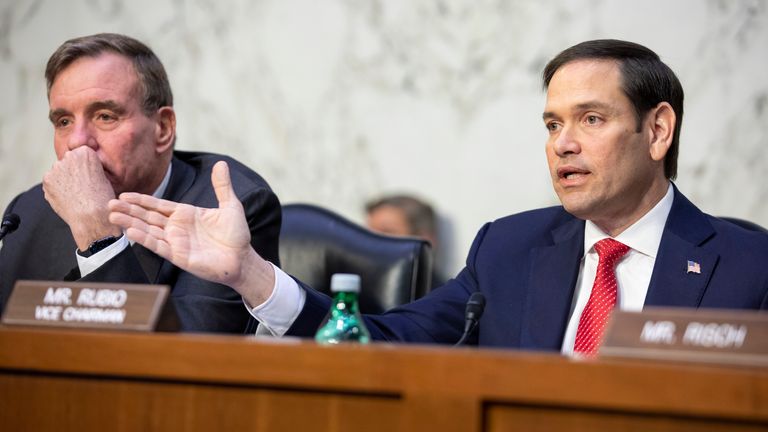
(344, 323)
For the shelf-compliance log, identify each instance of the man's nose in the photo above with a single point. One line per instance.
(82, 135)
(566, 142)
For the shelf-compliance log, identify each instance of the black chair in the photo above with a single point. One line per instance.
(745, 224)
(316, 243)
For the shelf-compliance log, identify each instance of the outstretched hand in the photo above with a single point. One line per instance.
(213, 244)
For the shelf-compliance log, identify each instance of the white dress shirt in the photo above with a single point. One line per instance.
(280, 310)
(90, 264)
(633, 272)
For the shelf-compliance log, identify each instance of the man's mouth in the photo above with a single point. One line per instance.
(571, 173)
(569, 176)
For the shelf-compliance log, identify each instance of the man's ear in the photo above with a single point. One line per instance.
(662, 120)
(165, 130)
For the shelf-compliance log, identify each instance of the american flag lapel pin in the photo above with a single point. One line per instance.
(693, 267)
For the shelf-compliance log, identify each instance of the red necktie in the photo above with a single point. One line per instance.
(601, 300)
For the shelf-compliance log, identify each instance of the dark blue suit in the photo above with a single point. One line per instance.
(527, 265)
(43, 247)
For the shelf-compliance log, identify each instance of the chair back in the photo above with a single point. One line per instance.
(315, 243)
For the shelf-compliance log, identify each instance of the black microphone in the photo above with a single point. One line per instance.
(475, 308)
(11, 221)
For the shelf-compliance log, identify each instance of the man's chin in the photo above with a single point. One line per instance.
(578, 205)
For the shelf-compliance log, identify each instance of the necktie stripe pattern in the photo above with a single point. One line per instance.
(602, 299)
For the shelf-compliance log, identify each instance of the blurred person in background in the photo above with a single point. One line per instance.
(405, 215)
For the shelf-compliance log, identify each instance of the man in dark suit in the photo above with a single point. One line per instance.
(624, 236)
(111, 107)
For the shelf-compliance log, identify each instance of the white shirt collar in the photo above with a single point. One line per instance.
(160, 191)
(643, 236)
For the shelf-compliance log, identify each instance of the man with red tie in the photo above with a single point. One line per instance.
(624, 237)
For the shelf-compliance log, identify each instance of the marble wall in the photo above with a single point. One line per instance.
(337, 101)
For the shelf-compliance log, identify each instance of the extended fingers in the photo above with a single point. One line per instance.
(128, 222)
(127, 215)
(149, 202)
(152, 242)
(150, 236)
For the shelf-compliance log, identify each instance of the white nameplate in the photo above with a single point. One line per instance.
(85, 305)
(698, 335)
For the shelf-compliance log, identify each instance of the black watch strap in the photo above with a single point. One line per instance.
(98, 246)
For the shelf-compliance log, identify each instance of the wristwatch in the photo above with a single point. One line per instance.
(98, 246)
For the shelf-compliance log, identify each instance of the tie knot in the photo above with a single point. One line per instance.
(610, 250)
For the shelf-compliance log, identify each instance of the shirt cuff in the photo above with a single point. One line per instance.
(277, 314)
(89, 264)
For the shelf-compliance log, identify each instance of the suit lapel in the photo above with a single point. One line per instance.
(182, 177)
(671, 283)
(554, 270)
(149, 261)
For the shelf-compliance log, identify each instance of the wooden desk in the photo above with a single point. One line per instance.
(88, 381)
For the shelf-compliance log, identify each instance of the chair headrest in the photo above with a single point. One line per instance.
(315, 243)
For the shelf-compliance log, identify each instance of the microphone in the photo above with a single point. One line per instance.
(475, 308)
(10, 222)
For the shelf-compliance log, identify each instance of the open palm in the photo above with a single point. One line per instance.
(209, 243)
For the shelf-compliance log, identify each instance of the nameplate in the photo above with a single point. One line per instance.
(86, 305)
(691, 335)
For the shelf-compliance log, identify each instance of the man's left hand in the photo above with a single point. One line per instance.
(78, 191)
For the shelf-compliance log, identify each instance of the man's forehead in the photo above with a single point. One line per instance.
(586, 72)
(106, 77)
(102, 69)
(585, 83)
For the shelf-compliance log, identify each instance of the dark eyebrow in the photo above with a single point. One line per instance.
(548, 115)
(53, 115)
(586, 106)
(599, 106)
(108, 104)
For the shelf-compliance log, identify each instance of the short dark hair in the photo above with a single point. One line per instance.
(152, 77)
(420, 215)
(646, 81)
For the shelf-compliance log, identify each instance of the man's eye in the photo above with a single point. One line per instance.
(552, 127)
(60, 123)
(592, 120)
(105, 117)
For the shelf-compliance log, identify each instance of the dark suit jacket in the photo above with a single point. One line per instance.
(43, 248)
(527, 264)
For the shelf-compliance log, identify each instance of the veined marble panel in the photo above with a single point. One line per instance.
(338, 101)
